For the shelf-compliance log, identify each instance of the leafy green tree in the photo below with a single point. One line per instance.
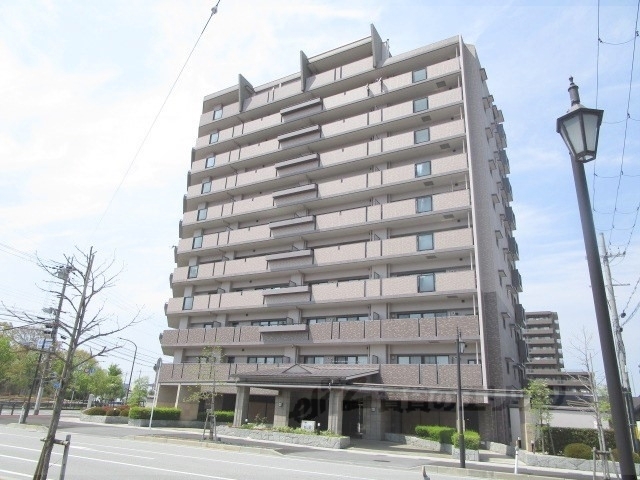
(139, 391)
(540, 401)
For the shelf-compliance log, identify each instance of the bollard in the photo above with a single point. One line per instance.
(515, 467)
(23, 413)
(533, 448)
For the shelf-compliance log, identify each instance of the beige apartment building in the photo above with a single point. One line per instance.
(341, 225)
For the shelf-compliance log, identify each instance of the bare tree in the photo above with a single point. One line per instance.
(594, 400)
(86, 322)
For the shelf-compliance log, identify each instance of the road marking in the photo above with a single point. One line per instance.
(19, 458)
(79, 447)
(15, 473)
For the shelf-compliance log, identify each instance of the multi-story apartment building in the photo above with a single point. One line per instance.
(545, 359)
(341, 226)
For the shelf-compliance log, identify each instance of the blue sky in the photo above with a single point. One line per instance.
(82, 82)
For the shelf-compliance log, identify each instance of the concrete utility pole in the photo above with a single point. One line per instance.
(42, 469)
(619, 344)
(63, 273)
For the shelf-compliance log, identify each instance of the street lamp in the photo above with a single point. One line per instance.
(459, 407)
(135, 352)
(579, 129)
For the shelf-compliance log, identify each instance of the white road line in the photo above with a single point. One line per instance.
(89, 449)
(222, 461)
(19, 458)
(16, 473)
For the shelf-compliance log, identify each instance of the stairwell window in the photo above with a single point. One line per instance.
(213, 138)
(419, 75)
(425, 241)
(421, 136)
(187, 303)
(420, 105)
(427, 283)
(217, 113)
(202, 214)
(197, 242)
(424, 204)
(206, 187)
(210, 162)
(193, 271)
(423, 169)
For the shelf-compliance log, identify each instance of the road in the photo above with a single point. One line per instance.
(95, 457)
(122, 452)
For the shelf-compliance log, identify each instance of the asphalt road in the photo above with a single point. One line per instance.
(122, 452)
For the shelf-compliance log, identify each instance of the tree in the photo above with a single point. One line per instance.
(84, 281)
(540, 401)
(207, 391)
(139, 392)
(596, 398)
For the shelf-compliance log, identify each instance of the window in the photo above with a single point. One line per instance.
(269, 323)
(317, 359)
(213, 138)
(269, 360)
(423, 204)
(422, 359)
(206, 187)
(187, 303)
(231, 359)
(425, 241)
(427, 282)
(421, 136)
(419, 75)
(217, 113)
(202, 214)
(351, 359)
(197, 242)
(423, 169)
(420, 105)
(436, 314)
(193, 271)
(210, 162)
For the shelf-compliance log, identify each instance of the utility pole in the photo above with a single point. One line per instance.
(619, 344)
(63, 273)
(42, 469)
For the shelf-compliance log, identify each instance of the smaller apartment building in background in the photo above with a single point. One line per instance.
(341, 226)
(545, 359)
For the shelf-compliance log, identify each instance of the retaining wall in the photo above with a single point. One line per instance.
(431, 446)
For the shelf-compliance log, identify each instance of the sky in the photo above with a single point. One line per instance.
(83, 164)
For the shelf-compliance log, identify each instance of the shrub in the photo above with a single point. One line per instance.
(436, 433)
(222, 416)
(616, 456)
(561, 437)
(159, 413)
(578, 450)
(471, 439)
(124, 410)
(112, 412)
(95, 411)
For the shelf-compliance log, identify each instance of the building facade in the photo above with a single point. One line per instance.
(545, 359)
(342, 226)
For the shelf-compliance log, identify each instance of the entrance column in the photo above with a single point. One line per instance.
(242, 406)
(335, 411)
(282, 407)
(373, 427)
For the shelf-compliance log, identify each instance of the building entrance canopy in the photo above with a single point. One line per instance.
(308, 375)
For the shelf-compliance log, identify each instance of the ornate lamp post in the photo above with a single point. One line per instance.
(579, 129)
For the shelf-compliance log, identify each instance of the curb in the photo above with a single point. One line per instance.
(469, 472)
(206, 444)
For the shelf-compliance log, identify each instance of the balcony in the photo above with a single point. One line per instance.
(509, 218)
(512, 248)
(383, 331)
(516, 279)
(444, 376)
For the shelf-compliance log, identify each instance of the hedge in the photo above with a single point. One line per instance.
(159, 413)
(436, 433)
(578, 450)
(616, 456)
(222, 416)
(561, 437)
(471, 439)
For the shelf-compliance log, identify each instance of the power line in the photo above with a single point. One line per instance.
(214, 10)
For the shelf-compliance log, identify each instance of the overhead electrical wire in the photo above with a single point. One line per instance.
(214, 10)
